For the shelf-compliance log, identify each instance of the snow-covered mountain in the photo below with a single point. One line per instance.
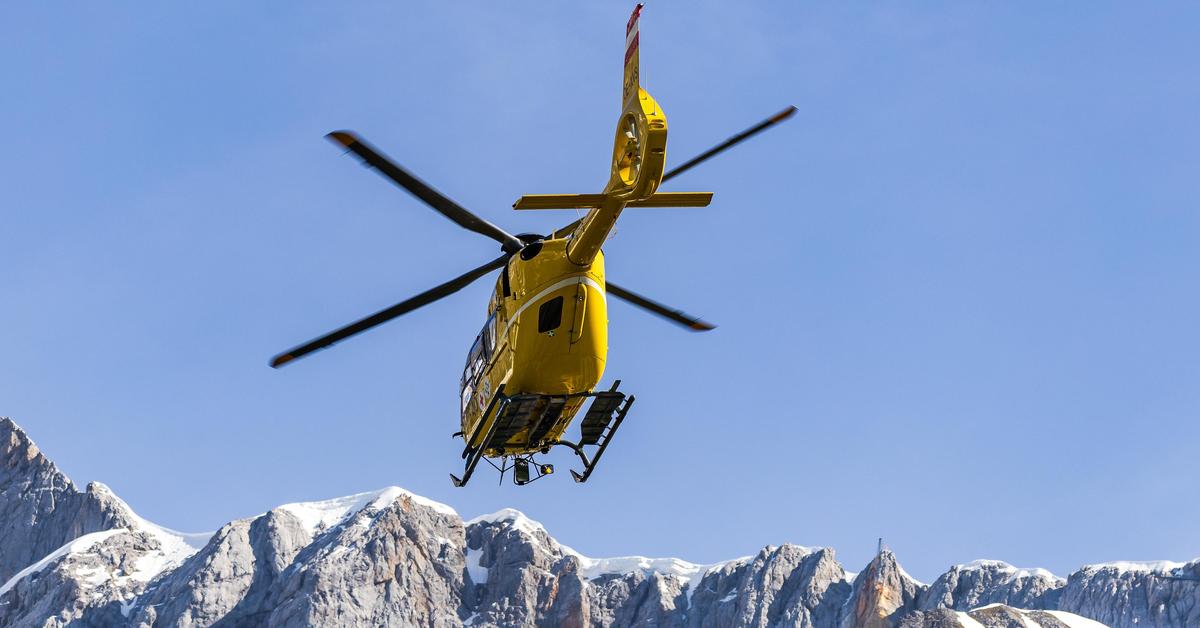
(392, 558)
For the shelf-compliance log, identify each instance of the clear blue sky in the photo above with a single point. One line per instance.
(957, 293)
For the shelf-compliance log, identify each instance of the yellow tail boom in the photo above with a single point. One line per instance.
(639, 155)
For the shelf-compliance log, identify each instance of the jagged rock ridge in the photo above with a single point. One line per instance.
(84, 558)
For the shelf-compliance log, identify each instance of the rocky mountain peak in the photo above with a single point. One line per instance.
(883, 593)
(40, 508)
(985, 582)
(22, 461)
(1152, 593)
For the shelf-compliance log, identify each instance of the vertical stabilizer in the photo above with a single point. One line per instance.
(640, 146)
(630, 85)
(639, 153)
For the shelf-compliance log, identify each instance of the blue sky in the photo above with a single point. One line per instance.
(957, 293)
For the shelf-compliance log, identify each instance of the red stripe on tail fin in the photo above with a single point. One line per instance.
(629, 86)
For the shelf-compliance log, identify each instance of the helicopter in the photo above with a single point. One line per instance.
(541, 352)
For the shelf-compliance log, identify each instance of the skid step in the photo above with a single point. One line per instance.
(602, 437)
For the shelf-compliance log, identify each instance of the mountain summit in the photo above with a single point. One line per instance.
(392, 558)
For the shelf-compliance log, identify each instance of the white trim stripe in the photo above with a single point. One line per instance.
(570, 281)
(633, 18)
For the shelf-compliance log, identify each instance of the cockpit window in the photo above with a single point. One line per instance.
(489, 335)
(477, 358)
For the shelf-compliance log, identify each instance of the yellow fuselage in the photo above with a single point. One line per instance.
(547, 328)
(546, 334)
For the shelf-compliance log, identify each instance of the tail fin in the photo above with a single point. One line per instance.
(641, 141)
(629, 89)
(639, 150)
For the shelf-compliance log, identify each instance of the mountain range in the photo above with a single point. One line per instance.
(84, 558)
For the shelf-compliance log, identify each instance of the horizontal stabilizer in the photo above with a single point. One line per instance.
(675, 199)
(559, 201)
(589, 201)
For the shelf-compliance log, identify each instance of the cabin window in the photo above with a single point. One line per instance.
(467, 392)
(550, 315)
(489, 336)
(475, 362)
(481, 351)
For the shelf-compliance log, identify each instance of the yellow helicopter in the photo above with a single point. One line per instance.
(542, 351)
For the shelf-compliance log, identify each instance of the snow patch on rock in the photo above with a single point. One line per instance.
(592, 568)
(1013, 572)
(1028, 617)
(81, 544)
(1138, 566)
(174, 547)
(318, 516)
(478, 573)
(966, 621)
(1075, 621)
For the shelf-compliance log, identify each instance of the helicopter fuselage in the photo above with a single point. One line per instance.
(546, 334)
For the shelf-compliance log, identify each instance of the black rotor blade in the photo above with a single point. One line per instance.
(744, 135)
(423, 191)
(677, 316)
(706, 155)
(383, 316)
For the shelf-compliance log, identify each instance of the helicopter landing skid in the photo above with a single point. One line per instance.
(604, 415)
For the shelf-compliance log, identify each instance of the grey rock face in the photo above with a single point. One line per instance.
(212, 585)
(1135, 595)
(88, 584)
(531, 580)
(992, 582)
(394, 561)
(41, 508)
(400, 564)
(391, 558)
(518, 562)
(938, 618)
(883, 594)
(523, 577)
(79, 555)
(781, 586)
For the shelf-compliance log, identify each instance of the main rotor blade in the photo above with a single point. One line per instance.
(424, 191)
(706, 155)
(677, 316)
(383, 316)
(744, 135)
